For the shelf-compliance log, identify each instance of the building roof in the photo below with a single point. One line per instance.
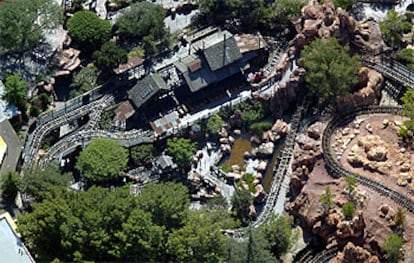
(146, 88)
(222, 53)
(164, 162)
(204, 76)
(11, 247)
(3, 149)
(250, 42)
(132, 62)
(124, 111)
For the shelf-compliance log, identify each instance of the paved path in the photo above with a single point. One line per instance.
(14, 147)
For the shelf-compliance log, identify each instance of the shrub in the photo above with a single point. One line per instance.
(259, 127)
(348, 210)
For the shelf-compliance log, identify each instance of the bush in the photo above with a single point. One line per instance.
(392, 247)
(214, 124)
(348, 210)
(259, 127)
(225, 167)
(249, 178)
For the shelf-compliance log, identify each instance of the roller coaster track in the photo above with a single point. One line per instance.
(393, 70)
(35, 139)
(336, 170)
(280, 170)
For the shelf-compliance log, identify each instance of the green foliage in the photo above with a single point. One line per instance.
(142, 19)
(327, 199)
(149, 45)
(348, 210)
(392, 247)
(408, 105)
(249, 178)
(254, 249)
(287, 9)
(101, 160)
(393, 28)
(15, 91)
(136, 52)
(344, 4)
(83, 80)
(226, 167)
(44, 100)
(38, 183)
(9, 185)
(252, 111)
(214, 124)
(107, 117)
(350, 182)
(331, 71)
(200, 240)
(240, 202)
(88, 30)
(259, 127)
(109, 57)
(34, 111)
(23, 22)
(278, 233)
(399, 217)
(406, 57)
(167, 203)
(142, 154)
(182, 151)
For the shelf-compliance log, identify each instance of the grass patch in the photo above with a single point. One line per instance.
(259, 127)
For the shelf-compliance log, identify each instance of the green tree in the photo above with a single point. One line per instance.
(109, 57)
(350, 183)
(259, 127)
(240, 202)
(406, 57)
(88, 30)
(214, 124)
(252, 111)
(182, 151)
(393, 28)
(200, 240)
(149, 45)
(254, 249)
(24, 22)
(9, 185)
(348, 210)
(142, 154)
(408, 105)
(101, 160)
(392, 247)
(327, 199)
(344, 4)
(83, 80)
(278, 233)
(331, 71)
(399, 217)
(288, 9)
(15, 91)
(38, 183)
(142, 19)
(168, 204)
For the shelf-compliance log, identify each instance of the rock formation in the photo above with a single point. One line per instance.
(355, 254)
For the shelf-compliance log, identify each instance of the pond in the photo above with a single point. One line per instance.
(268, 176)
(240, 146)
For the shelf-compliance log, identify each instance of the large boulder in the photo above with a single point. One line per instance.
(355, 254)
(266, 149)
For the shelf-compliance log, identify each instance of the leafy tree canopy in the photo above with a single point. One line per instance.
(88, 30)
(167, 203)
(9, 185)
(182, 151)
(348, 210)
(392, 247)
(38, 183)
(23, 22)
(331, 71)
(142, 19)
(393, 28)
(109, 57)
(101, 160)
(214, 124)
(278, 233)
(15, 91)
(84, 80)
(240, 201)
(143, 153)
(406, 57)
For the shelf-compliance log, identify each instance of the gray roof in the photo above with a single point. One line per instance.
(165, 161)
(204, 76)
(222, 53)
(146, 88)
